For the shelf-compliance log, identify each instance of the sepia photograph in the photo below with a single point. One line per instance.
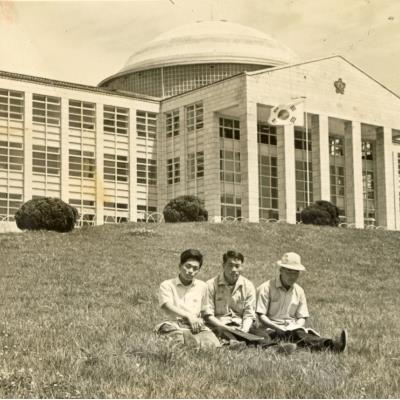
(200, 199)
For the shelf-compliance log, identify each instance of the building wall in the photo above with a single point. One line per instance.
(370, 109)
(221, 99)
(85, 165)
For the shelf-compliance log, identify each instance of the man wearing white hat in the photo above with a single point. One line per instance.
(282, 309)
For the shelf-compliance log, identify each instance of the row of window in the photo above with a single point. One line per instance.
(194, 120)
(81, 115)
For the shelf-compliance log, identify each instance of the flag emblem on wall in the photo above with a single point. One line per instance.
(287, 114)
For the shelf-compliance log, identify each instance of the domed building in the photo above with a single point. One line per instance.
(214, 109)
(196, 55)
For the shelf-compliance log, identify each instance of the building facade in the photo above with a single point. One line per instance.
(120, 156)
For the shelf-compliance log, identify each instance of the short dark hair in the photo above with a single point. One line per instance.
(191, 254)
(232, 254)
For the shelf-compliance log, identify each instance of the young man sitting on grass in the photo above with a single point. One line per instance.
(231, 306)
(282, 309)
(184, 298)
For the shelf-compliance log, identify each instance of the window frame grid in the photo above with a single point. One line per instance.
(46, 110)
(83, 157)
(173, 170)
(11, 155)
(146, 171)
(49, 153)
(115, 120)
(84, 115)
(146, 125)
(12, 105)
(172, 123)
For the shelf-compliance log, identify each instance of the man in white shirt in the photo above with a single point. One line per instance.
(184, 299)
(282, 309)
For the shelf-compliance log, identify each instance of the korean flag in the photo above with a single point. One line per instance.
(287, 114)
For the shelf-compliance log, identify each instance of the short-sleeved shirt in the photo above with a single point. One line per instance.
(280, 305)
(191, 298)
(231, 304)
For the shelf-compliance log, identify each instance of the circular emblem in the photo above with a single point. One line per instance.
(283, 114)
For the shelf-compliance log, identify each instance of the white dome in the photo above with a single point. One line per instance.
(210, 42)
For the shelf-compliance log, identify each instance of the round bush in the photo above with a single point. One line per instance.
(185, 209)
(331, 209)
(47, 213)
(315, 216)
(320, 213)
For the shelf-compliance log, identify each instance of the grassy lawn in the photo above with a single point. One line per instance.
(77, 312)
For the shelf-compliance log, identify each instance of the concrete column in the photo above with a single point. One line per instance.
(28, 127)
(249, 162)
(132, 166)
(286, 173)
(384, 178)
(320, 157)
(395, 166)
(64, 170)
(353, 174)
(99, 165)
(212, 181)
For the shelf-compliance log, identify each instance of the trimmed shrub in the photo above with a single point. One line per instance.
(185, 209)
(320, 213)
(331, 209)
(47, 213)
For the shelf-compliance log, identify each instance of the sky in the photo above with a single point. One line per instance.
(86, 41)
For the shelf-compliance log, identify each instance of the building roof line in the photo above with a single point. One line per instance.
(77, 86)
(262, 71)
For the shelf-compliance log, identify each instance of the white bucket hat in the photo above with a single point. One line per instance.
(291, 261)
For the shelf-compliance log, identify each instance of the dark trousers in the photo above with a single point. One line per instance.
(303, 339)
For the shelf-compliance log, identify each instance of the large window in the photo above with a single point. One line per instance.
(230, 166)
(86, 209)
(337, 176)
(266, 134)
(11, 156)
(268, 186)
(231, 205)
(116, 168)
(46, 160)
(116, 120)
(173, 170)
(146, 124)
(9, 204)
(304, 185)
(146, 171)
(11, 105)
(172, 123)
(81, 164)
(82, 115)
(336, 146)
(46, 110)
(194, 117)
(368, 171)
(229, 128)
(302, 141)
(195, 165)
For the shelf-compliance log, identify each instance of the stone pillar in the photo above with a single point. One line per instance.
(212, 181)
(286, 173)
(64, 178)
(320, 157)
(249, 161)
(396, 188)
(353, 174)
(133, 167)
(384, 178)
(99, 165)
(28, 127)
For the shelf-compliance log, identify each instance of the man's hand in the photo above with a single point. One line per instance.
(196, 324)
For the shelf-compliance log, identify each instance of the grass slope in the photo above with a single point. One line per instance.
(77, 312)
